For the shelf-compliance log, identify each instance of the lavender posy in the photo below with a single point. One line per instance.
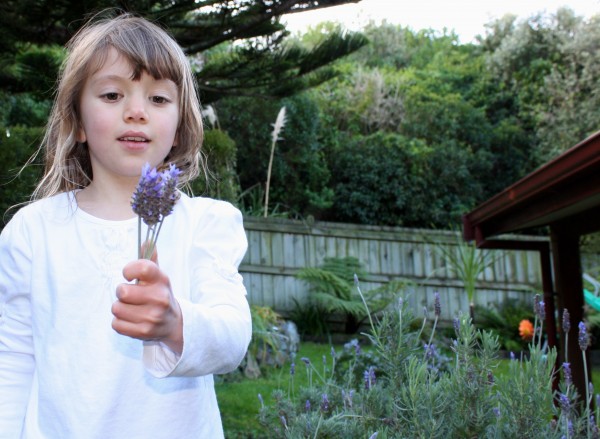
(153, 200)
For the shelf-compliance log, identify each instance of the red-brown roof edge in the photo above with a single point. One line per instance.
(585, 154)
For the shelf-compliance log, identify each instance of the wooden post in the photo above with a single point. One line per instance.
(550, 308)
(569, 289)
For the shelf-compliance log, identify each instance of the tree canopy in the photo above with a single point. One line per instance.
(415, 128)
(254, 61)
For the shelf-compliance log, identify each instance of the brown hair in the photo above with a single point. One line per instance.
(149, 49)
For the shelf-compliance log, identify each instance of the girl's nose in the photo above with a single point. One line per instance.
(135, 110)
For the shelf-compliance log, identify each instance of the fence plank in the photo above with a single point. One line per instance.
(278, 248)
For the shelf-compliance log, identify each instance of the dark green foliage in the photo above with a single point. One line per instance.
(259, 65)
(310, 320)
(15, 151)
(392, 180)
(333, 291)
(503, 320)
(220, 152)
(23, 109)
(300, 176)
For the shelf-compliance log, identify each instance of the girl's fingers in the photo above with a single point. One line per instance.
(140, 331)
(143, 270)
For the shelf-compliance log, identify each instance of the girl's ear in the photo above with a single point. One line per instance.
(81, 137)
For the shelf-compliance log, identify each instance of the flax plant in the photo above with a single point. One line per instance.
(467, 262)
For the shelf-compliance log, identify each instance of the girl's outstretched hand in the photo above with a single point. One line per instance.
(147, 310)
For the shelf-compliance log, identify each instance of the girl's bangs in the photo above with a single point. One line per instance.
(144, 52)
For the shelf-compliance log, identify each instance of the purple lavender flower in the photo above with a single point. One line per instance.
(496, 411)
(542, 310)
(437, 307)
(584, 338)
(353, 344)
(332, 352)
(153, 200)
(307, 406)
(292, 369)
(306, 361)
(536, 304)
(170, 178)
(567, 373)
(430, 351)
(456, 324)
(147, 195)
(566, 321)
(283, 421)
(324, 403)
(564, 402)
(374, 435)
(512, 355)
(369, 377)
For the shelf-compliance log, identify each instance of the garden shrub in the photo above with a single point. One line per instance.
(388, 179)
(394, 392)
(220, 154)
(17, 145)
(300, 176)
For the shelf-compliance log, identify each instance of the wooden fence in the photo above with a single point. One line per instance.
(277, 248)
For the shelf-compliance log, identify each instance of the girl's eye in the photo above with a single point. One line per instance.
(111, 96)
(159, 99)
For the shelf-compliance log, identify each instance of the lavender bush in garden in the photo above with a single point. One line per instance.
(390, 390)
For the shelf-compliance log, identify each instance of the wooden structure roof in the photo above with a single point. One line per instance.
(564, 196)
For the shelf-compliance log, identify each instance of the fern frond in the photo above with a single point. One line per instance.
(334, 304)
(325, 281)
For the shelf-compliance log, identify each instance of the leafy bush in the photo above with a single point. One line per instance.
(220, 151)
(17, 145)
(274, 342)
(397, 393)
(300, 176)
(389, 179)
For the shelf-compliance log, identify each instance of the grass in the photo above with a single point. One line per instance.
(238, 399)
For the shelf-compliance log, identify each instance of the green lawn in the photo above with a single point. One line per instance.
(239, 402)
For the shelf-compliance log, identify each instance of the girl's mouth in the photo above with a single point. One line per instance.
(133, 139)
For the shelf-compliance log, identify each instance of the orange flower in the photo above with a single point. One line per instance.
(526, 330)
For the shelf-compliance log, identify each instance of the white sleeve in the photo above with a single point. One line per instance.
(17, 361)
(217, 326)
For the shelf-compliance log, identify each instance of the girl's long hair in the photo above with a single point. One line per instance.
(148, 48)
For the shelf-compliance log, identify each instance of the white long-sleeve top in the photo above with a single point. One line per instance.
(65, 373)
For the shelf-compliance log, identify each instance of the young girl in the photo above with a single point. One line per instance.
(93, 342)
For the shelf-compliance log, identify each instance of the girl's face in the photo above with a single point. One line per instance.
(127, 123)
